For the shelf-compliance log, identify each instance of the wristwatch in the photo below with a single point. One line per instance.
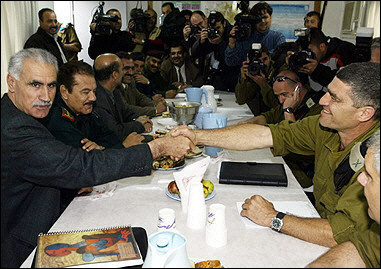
(277, 222)
(288, 110)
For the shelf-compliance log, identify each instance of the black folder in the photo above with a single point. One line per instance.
(253, 173)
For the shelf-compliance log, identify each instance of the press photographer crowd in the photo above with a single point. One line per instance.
(314, 97)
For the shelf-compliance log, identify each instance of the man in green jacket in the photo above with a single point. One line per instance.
(296, 103)
(351, 114)
(255, 90)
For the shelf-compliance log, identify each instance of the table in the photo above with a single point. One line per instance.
(137, 201)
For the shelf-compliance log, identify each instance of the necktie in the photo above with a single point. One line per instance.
(180, 76)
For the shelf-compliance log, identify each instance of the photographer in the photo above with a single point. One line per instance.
(211, 47)
(323, 58)
(173, 24)
(106, 34)
(256, 30)
(255, 84)
(142, 26)
(192, 31)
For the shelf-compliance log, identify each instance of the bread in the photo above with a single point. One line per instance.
(209, 264)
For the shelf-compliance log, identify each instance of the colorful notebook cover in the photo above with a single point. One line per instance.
(115, 246)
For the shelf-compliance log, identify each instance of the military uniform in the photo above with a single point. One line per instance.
(300, 165)
(71, 129)
(258, 99)
(346, 209)
(69, 36)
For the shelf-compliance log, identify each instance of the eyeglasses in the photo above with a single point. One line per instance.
(283, 78)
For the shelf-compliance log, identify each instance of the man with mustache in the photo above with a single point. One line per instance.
(35, 166)
(46, 36)
(179, 70)
(136, 100)
(350, 114)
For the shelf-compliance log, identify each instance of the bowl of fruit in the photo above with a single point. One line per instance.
(173, 191)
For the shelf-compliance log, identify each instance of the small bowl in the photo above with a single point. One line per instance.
(184, 112)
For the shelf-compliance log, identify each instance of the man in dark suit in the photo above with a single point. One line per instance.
(110, 107)
(35, 166)
(46, 36)
(179, 70)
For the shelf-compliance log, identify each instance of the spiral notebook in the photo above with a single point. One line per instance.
(253, 173)
(98, 248)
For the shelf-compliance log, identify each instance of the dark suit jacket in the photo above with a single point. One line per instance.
(35, 166)
(193, 74)
(42, 40)
(118, 118)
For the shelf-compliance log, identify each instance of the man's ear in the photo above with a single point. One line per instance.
(366, 113)
(11, 81)
(323, 47)
(64, 92)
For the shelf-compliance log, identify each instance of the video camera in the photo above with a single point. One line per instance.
(102, 21)
(140, 20)
(245, 21)
(256, 66)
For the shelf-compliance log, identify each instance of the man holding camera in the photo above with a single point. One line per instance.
(323, 58)
(107, 36)
(251, 27)
(255, 84)
(211, 47)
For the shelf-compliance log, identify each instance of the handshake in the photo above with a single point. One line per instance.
(177, 143)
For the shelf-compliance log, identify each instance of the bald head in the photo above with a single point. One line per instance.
(108, 66)
(290, 74)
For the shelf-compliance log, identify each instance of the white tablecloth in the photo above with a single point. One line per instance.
(137, 201)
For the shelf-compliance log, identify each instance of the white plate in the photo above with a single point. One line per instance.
(176, 197)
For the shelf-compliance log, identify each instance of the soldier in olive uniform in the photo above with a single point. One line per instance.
(351, 114)
(296, 103)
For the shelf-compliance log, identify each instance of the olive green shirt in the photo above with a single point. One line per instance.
(347, 209)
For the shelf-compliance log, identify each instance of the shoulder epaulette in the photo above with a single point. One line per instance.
(66, 114)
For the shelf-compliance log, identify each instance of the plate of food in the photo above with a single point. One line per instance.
(199, 263)
(194, 153)
(173, 192)
(165, 163)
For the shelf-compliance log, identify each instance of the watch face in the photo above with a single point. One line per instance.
(276, 224)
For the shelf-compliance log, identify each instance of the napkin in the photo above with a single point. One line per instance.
(100, 191)
(192, 173)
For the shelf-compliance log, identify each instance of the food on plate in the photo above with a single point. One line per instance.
(183, 106)
(166, 114)
(209, 264)
(161, 132)
(165, 162)
(207, 184)
(195, 152)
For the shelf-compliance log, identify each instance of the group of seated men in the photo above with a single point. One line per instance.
(68, 120)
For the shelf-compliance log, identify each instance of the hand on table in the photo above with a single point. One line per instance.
(133, 139)
(147, 123)
(90, 145)
(259, 210)
(158, 98)
(85, 191)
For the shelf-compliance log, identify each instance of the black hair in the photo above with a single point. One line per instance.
(124, 55)
(314, 13)
(215, 17)
(262, 7)
(105, 72)
(42, 11)
(66, 72)
(317, 37)
(186, 12)
(171, 5)
(364, 80)
(138, 56)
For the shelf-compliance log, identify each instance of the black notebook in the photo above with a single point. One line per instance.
(253, 173)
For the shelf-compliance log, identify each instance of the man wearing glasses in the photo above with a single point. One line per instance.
(296, 103)
(351, 114)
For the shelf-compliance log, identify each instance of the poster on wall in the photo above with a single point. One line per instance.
(287, 18)
(191, 5)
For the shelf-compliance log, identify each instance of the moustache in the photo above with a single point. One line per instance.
(89, 103)
(42, 103)
(176, 58)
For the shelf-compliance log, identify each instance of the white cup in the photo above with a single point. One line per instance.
(196, 215)
(166, 219)
(216, 232)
